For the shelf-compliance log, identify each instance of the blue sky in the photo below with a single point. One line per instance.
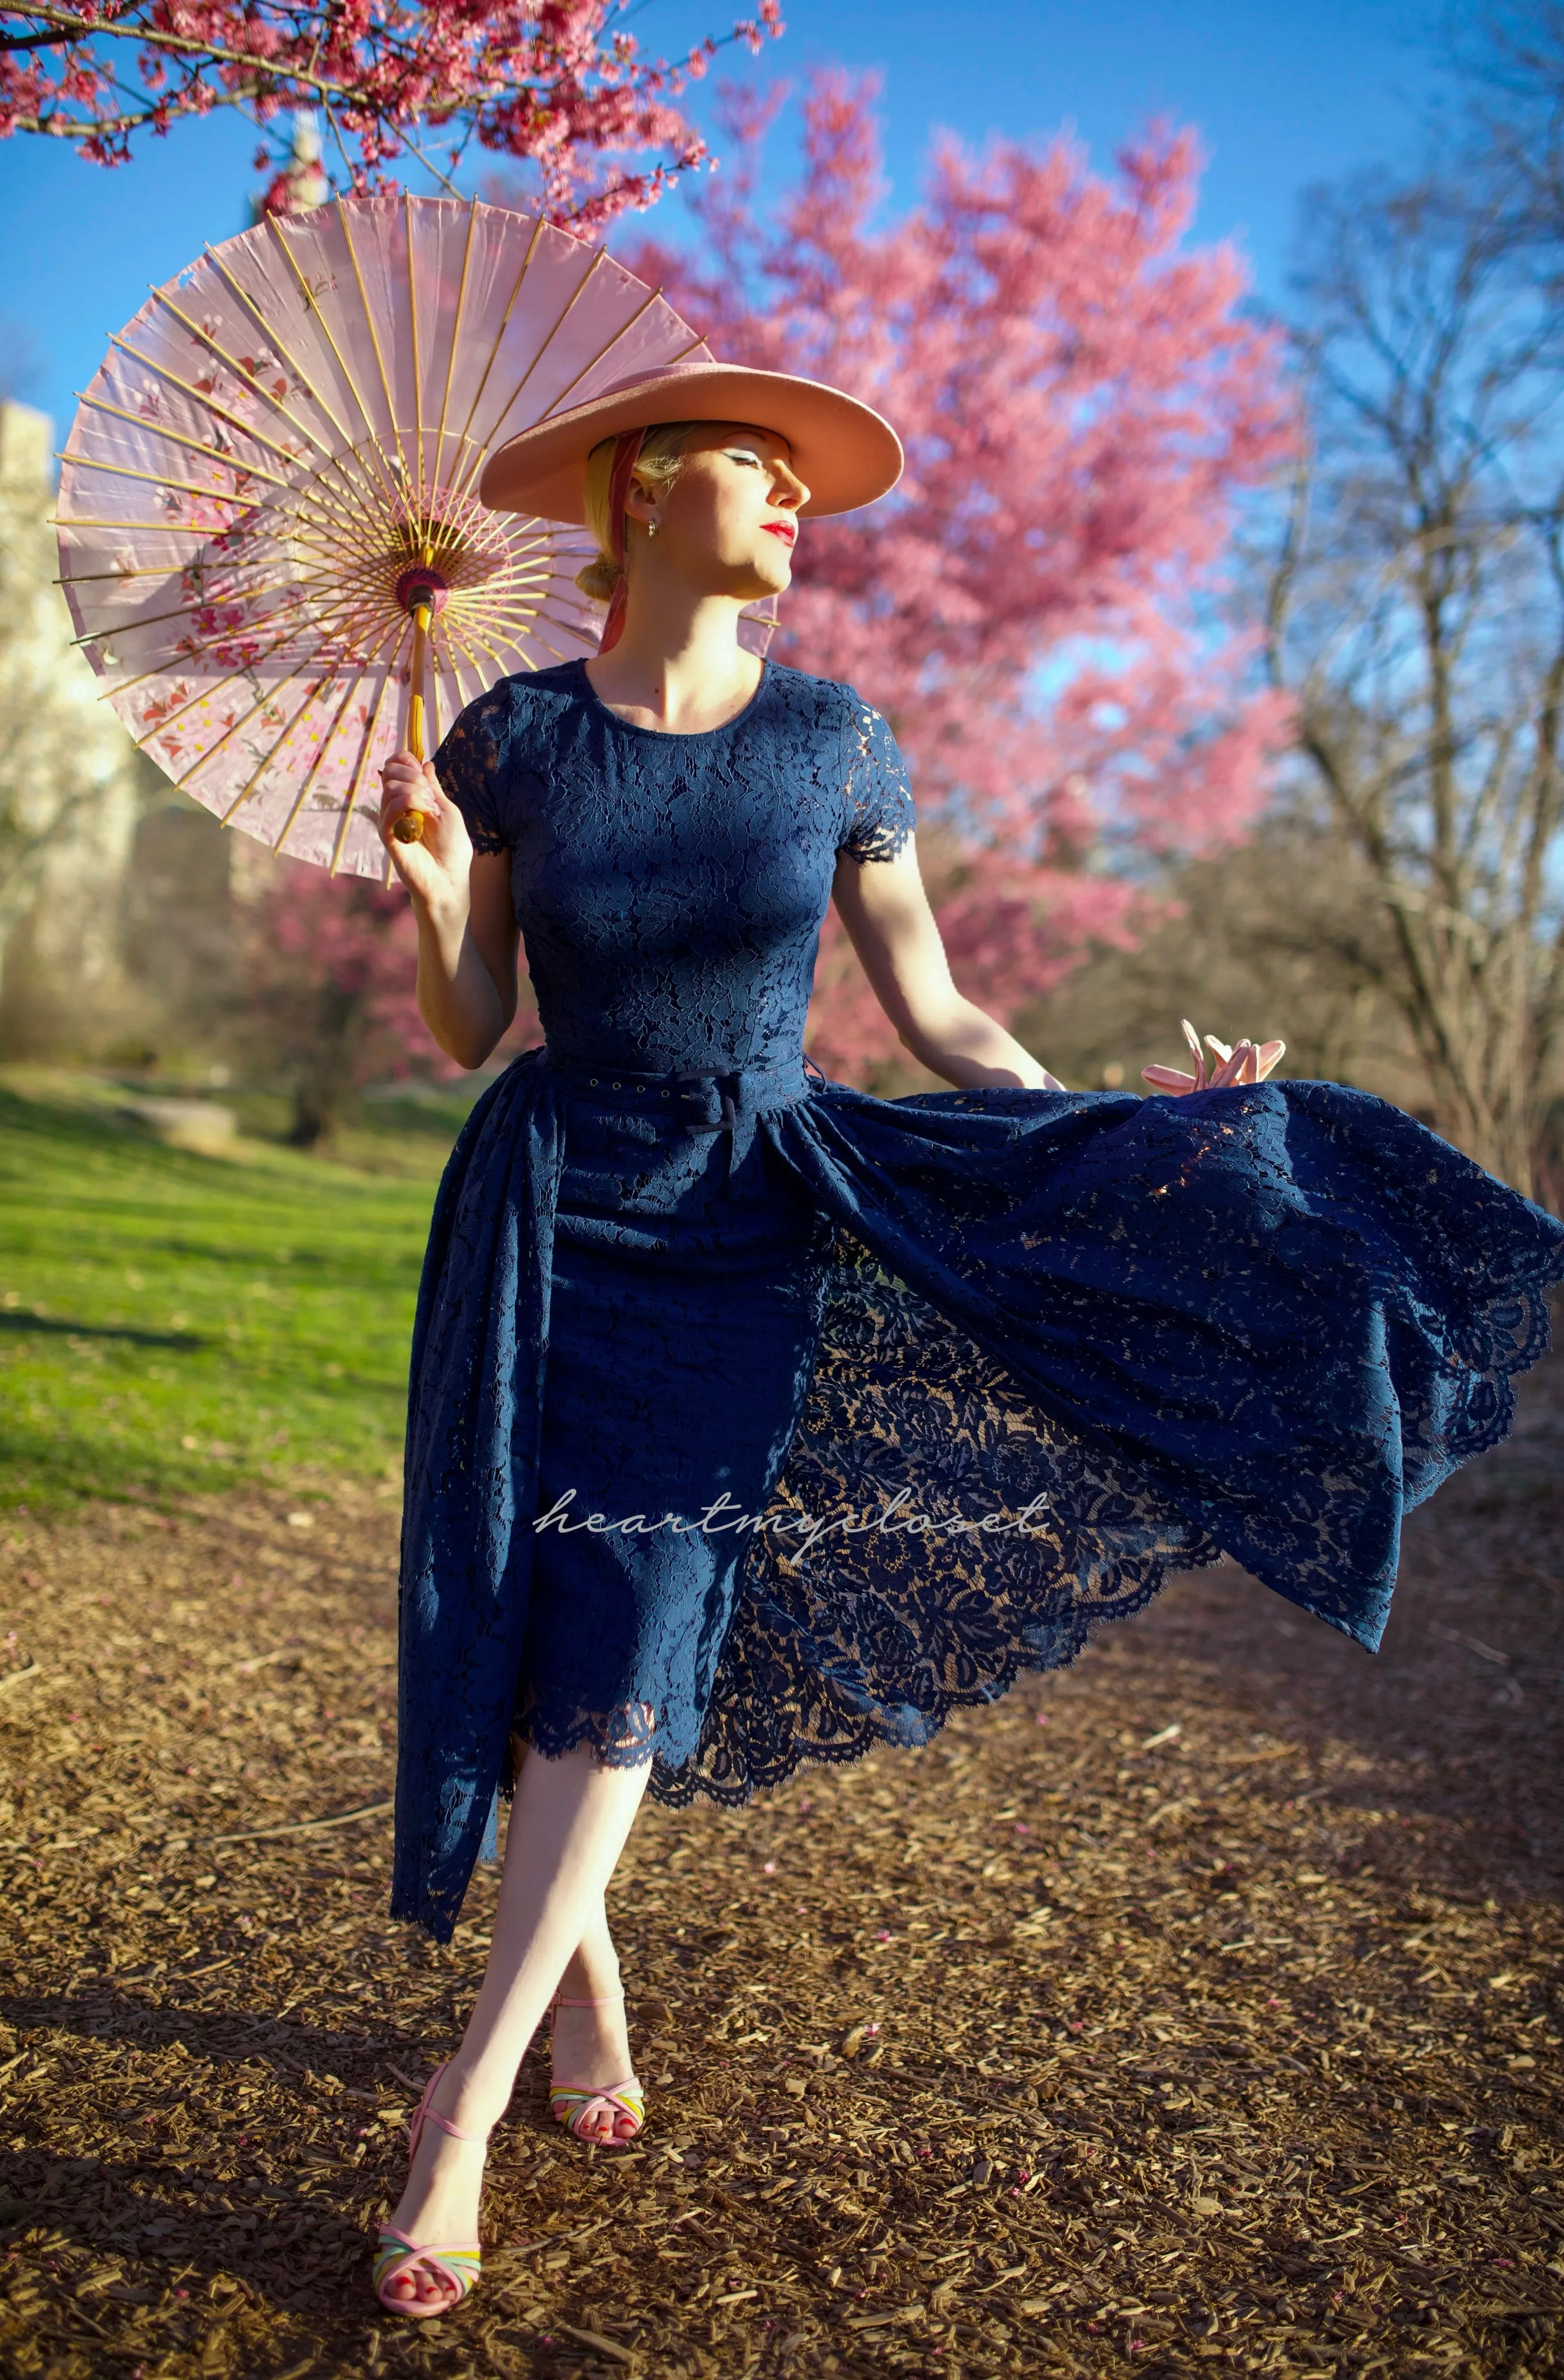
(1283, 94)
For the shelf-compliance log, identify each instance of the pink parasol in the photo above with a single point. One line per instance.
(270, 533)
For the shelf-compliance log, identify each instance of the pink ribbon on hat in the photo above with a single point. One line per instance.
(627, 453)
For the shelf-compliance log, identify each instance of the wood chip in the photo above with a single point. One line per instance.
(1251, 2031)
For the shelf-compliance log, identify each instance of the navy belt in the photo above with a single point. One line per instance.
(689, 1094)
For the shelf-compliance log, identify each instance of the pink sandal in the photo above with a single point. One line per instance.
(571, 2104)
(458, 2267)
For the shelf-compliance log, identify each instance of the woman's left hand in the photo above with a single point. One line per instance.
(1245, 1061)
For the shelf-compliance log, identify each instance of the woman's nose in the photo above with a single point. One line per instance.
(787, 489)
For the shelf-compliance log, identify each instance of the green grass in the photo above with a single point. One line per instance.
(173, 1324)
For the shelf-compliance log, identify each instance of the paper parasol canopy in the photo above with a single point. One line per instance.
(270, 488)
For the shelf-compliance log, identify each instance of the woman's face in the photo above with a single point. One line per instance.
(729, 522)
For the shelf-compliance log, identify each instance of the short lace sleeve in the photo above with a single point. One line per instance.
(470, 765)
(877, 813)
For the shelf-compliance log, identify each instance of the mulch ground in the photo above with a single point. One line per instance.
(1195, 2008)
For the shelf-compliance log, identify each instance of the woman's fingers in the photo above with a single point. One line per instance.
(1238, 1064)
(1231, 1070)
(407, 786)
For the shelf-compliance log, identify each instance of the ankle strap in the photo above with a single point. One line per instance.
(560, 2001)
(431, 2116)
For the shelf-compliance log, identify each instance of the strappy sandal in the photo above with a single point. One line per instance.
(398, 2255)
(571, 2104)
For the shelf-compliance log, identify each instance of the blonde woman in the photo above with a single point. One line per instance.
(754, 1419)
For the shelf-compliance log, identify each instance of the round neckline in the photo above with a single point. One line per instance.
(673, 735)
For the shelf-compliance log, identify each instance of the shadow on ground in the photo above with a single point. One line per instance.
(1197, 2006)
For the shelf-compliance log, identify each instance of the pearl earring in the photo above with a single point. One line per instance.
(651, 528)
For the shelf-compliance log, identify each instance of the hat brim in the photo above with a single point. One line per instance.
(845, 453)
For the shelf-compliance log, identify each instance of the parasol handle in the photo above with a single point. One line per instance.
(415, 701)
(409, 827)
(423, 590)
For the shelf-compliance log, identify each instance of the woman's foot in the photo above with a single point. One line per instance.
(590, 2052)
(445, 2184)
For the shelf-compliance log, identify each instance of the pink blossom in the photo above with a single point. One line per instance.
(1083, 405)
(561, 85)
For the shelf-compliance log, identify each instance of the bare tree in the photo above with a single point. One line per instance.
(1417, 617)
(1508, 69)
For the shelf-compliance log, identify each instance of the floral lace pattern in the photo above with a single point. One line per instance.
(874, 1634)
(1119, 1335)
(670, 889)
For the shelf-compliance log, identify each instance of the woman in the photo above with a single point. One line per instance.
(754, 1419)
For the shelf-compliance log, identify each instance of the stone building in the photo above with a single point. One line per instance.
(116, 930)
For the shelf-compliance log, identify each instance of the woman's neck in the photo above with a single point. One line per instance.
(678, 666)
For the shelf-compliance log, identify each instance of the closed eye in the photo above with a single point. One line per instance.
(741, 454)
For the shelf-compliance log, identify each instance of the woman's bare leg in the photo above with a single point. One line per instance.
(569, 1824)
(591, 2044)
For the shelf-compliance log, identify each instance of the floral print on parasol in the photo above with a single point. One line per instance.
(268, 526)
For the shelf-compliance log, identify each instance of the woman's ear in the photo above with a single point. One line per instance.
(639, 505)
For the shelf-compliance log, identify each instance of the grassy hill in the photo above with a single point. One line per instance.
(172, 1323)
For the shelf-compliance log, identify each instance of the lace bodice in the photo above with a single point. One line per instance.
(670, 889)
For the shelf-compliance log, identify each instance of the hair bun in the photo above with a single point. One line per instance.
(598, 578)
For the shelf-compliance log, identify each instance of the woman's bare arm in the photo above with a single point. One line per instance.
(467, 932)
(885, 910)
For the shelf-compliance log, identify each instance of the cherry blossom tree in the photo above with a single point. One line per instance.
(556, 82)
(1039, 609)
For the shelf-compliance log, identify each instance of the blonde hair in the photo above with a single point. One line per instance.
(657, 466)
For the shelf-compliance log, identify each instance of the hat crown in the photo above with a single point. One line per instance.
(685, 369)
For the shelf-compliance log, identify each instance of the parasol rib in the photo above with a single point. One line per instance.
(181, 612)
(375, 337)
(209, 693)
(314, 306)
(159, 480)
(178, 438)
(454, 342)
(210, 403)
(499, 336)
(557, 405)
(366, 748)
(226, 817)
(302, 376)
(225, 413)
(240, 371)
(149, 570)
(143, 528)
(354, 683)
(465, 480)
(412, 329)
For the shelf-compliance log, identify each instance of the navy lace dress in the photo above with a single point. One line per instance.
(756, 1420)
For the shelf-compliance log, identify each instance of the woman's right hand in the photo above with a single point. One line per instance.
(1245, 1061)
(435, 869)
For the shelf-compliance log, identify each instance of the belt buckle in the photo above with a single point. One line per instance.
(686, 1089)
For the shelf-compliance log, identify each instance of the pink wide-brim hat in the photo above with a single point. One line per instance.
(844, 452)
